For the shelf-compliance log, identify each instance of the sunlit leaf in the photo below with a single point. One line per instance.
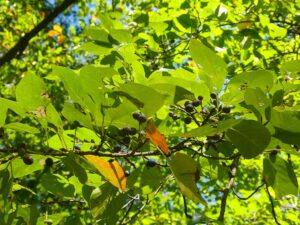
(111, 170)
(186, 173)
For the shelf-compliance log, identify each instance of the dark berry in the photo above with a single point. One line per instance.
(142, 118)
(189, 108)
(200, 97)
(151, 163)
(126, 173)
(117, 148)
(196, 103)
(175, 117)
(171, 114)
(186, 103)
(187, 120)
(132, 131)
(213, 95)
(48, 162)
(111, 160)
(125, 131)
(76, 147)
(136, 115)
(126, 139)
(27, 159)
(226, 109)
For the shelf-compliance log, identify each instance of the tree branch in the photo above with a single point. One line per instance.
(272, 206)
(232, 174)
(24, 41)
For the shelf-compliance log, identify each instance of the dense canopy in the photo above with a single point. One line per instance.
(149, 112)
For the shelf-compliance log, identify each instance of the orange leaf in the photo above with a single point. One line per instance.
(52, 33)
(157, 138)
(111, 170)
(60, 39)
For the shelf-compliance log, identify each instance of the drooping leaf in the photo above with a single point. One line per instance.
(111, 170)
(22, 127)
(280, 175)
(157, 138)
(185, 171)
(75, 166)
(249, 137)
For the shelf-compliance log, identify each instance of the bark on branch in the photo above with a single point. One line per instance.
(24, 41)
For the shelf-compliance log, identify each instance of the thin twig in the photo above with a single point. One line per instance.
(272, 206)
(246, 198)
(186, 209)
(127, 211)
(232, 174)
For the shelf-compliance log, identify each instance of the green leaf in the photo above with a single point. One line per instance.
(185, 170)
(12, 105)
(121, 35)
(145, 180)
(53, 116)
(257, 99)
(214, 68)
(20, 169)
(31, 92)
(100, 199)
(145, 98)
(280, 175)
(249, 137)
(3, 110)
(262, 79)
(291, 69)
(96, 49)
(17, 187)
(57, 184)
(286, 120)
(97, 34)
(72, 114)
(210, 129)
(22, 128)
(74, 165)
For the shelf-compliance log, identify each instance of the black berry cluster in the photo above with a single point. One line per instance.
(139, 117)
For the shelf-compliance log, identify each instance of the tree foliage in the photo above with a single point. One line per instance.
(150, 112)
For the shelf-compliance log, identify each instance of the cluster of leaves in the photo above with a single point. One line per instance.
(159, 115)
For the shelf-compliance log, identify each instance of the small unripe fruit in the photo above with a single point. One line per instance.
(27, 159)
(200, 97)
(189, 108)
(126, 173)
(226, 109)
(171, 114)
(125, 131)
(48, 162)
(186, 103)
(126, 139)
(187, 120)
(136, 115)
(196, 103)
(132, 131)
(117, 148)
(213, 95)
(142, 118)
(151, 163)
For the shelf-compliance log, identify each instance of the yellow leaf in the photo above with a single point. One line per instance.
(57, 28)
(157, 138)
(111, 170)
